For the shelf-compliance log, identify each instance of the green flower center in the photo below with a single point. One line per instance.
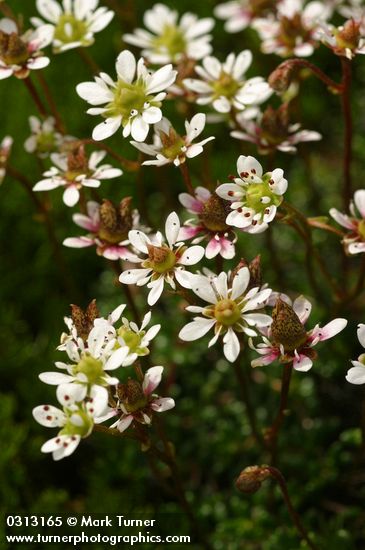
(81, 426)
(46, 142)
(69, 29)
(259, 196)
(174, 150)
(171, 40)
(129, 98)
(227, 312)
(225, 86)
(160, 258)
(91, 367)
(132, 340)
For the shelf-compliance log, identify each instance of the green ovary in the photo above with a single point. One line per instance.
(132, 340)
(83, 429)
(171, 40)
(226, 86)
(255, 192)
(46, 143)
(227, 312)
(174, 150)
(128, 97)
(69, 29)
(91, 367)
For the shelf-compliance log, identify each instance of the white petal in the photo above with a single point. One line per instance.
(156, 291)
(192, 255)
(106, 128)
(139, 128)
(152, 379)
(162, 404)
(196, 329)
(55, 378)
(126, 66)
(49, 416)
(172, 228)
(116, 359)
(240, 282)
(231, 346)
(356, 375)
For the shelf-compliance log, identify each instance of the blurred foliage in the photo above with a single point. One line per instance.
(321, 448)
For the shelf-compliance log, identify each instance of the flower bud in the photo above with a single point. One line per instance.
(77, 161)
(251, 478)
(286, 328)
(281, 78)
(274, 124)
(132, 396)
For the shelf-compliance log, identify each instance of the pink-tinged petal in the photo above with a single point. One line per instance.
(361, 334)
(356, 375)
(196, 329)
(156, 291)
(231, 346)
(266, 359)
(192, 255)
(240, 282)
(331, 329)
(213, 248)
(49, 416)
(78, 242)
(152, 379)
(359, 199)
(342, 219)
(302, 363)
(172, 228)
(162, 404)
(187, 232)
(85, 222)
(124, 422)
(228, 250)
(55, 378)
(191, 203)
(302, 308)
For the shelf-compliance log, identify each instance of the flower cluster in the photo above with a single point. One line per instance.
(96, 346)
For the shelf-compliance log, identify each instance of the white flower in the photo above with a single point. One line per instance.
(131, 100)
(44, 138)
(170, 41)
(76, 421)
(137, 402)
(89, 372)
(164, 262)
(356, 375)
(169, 147)
(293, 31)
(21, 54)
(5, 150)
(224, 86)
(254, 196)
(74, 172)
(354, 240)
(270, 132)
(230, 310)
(74, 23)
(239, 14)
